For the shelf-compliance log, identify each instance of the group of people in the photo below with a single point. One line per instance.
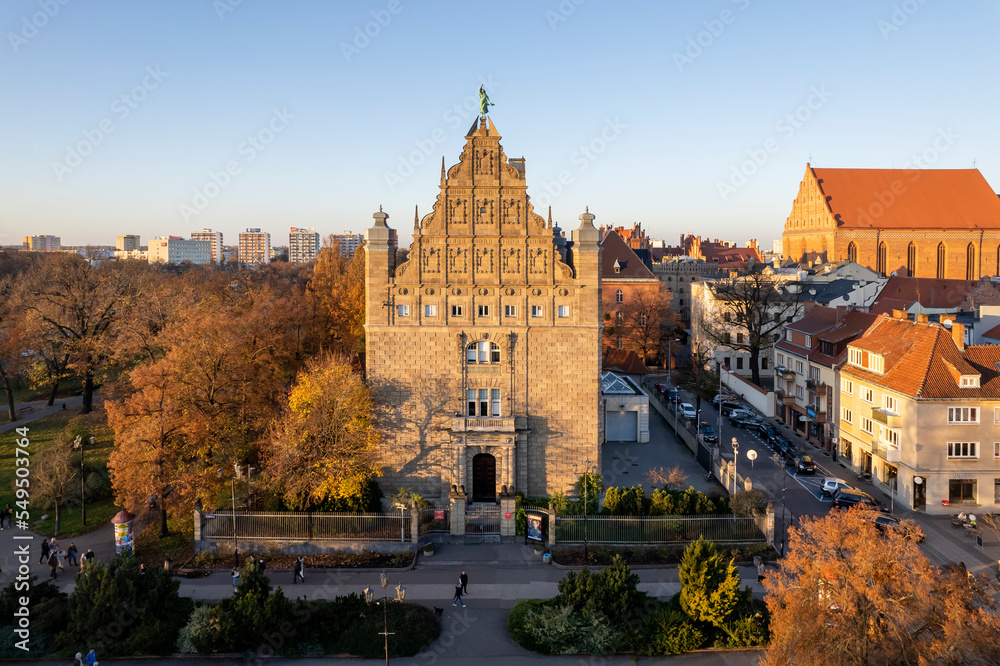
(7, 513)
(89, 660)
(54, 555)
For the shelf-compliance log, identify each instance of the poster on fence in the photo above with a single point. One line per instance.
(534, 531)
(439, 514)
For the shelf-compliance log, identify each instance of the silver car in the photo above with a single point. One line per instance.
(688, 411)
(832, 483)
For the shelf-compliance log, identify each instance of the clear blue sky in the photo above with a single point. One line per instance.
(159, 95)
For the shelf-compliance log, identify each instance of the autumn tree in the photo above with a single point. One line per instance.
(849, 593)
(641, 322)
(13, 346)
(750, 311)
(323, 446)
(336, 293)
(52, 476)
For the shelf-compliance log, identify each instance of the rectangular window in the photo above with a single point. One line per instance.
(963, 415)
(846, 416)
(996, 415)
(536, 310)
(564, 312)
(813, 372)
(510, 311)
(780, 384)
(484, 311)
(739, 338)
(889, 436)
(781, 360)
(471, 398)
(996, 450)
(456, 311)
(430, 311)
(961, 491)
(962, 450)
(867, 395)
(867, 425)
(763, 363)
(484, 402)
(739, 363)
(495, 402)
(798, 392)
(847, 387)
(788, 335)
(889, 402)
(403, 310)
(969, 381)
(799, 367)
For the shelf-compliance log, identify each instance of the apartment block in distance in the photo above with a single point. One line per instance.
(347, 242)
(44, 243)
(127, 243)
(175, 250)
(303, 244)
(215, 240)
(255, 247)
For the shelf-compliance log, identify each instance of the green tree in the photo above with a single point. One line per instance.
(710, 588)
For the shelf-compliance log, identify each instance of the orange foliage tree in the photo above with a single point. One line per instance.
(336, 293)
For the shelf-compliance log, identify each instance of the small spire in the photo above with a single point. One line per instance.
(443, 177)
(587, 208)
(416, 218)
(380, 208)
(550, 216)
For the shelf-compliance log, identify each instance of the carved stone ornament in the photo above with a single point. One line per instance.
(403, 291)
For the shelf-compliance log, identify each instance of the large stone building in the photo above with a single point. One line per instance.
(484, 347)
(936, 223)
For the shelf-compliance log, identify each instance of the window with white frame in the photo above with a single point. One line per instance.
(798, 392)
(868, 395)
(781, 360)
(889, 436)
(996, 450)
(430, 311)
(780, 384)
(809, 341)
(402, 310)
(889, 403)
(996, 415)
(847, 386)
(963, 415)
(484, 311)
(510, 311)
(813, 372)
(564, 312)
(642, 317)
(483, 402)
(536, 310)
(619, 296)
(799, 367)
(456, 311)
(846, 415)
(482, 353)
(969, 381)
(867, 425)
(788, 335)
(866, 359)
(962, 450)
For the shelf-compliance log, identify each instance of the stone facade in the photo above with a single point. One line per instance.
(483, 348)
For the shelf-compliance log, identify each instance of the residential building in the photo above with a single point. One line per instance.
(927, 223)
(303, 245)
(255, 247)
(347, 242)
(920, 412)
(175, 249)
(42, 243)
(677, 273)
(127, 243)
(485, 345)
(215, 243)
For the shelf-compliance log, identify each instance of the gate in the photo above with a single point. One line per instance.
(482, 523)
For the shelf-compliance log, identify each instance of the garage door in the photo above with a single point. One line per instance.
(623, 427)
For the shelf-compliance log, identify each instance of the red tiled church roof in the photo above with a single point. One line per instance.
(910, 198)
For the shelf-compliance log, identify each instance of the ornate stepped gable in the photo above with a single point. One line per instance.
(483, 229)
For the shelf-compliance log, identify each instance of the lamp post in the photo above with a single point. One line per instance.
(778, 463)
(78, 443)
(370, 597)
(736, 455)
(720, 403)
(670, 360)
(586, 501)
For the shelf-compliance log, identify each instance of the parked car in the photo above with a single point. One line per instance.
(708, 433)
(744, 420)
(728, 407)
(722, 397)
(845, 499)
(766, 432)
(780, 444)
(742, 411)
(672, 395)
(832, 483)
(660, 387)
(804, 465)
(687, 409)
(885, 523)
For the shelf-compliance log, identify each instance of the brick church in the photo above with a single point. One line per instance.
(484, 347)
(936, 223)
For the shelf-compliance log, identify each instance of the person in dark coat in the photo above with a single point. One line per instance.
(53, 564)
(71, 554)
(45, 552)
(458, 595)
(299, 566)
(465, 582)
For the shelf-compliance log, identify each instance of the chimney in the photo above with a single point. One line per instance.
(958, 335)
(841, 313)
(921, 318)
(899, 314)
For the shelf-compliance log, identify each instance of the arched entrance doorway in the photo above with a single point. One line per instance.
(484, 478)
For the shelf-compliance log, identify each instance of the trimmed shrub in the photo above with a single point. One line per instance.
(669, 632)
(558, 629)
(516, 623)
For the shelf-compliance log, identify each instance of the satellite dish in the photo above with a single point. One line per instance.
(947, 323)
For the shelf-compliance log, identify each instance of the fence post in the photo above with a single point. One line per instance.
(414, 523)
(507, 507)
(769, 532)
(457, 497)
(197, 526)
(552, 525)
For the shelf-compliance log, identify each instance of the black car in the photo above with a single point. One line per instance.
(766, 432)
(744, 421)
(780, 444)
(708, 433)
(804, 465)
(672, 395)
(845, 499)
(885, 523)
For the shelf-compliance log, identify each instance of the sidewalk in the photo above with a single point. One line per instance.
(41, 409)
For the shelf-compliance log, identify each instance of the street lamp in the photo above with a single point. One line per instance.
(670, 359)
(736, 455)
(78, 443)
(778, 463)
(370, 597)
(586, 498)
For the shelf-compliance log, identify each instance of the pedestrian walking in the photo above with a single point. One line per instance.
(87, 559)
(71, 554)
(260, 565)
(54, 544)
(236, 578)
(465, 582)
(60, 556)
(760, 571)
(9, 513)
(458, 595)
(53, 563)
(91, 659)
(299, 566)
(45, 552)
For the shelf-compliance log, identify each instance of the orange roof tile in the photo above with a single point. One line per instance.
(910, 198)
(899, 293)
(626, 361)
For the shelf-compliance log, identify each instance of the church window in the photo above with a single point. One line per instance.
(911, 260)
(619, 296)
(970, 263)
(852, 252)
(619, 318)
(642, 319)
(482, 352)
(940, 261)
(880, 259)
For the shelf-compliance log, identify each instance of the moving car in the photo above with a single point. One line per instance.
(885, 523)
(845, 499)
(832, 483)
(804, 465)
(687, 409)
(708, 433)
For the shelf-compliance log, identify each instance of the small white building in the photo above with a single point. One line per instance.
(626, 409)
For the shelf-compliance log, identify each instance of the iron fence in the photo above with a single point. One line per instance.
(658, 530)
(435, 521)
(306, 526)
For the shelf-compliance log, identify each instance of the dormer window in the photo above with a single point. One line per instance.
(865, 359)
(618, 267)
(969, 381)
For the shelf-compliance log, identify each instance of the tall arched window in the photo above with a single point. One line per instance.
(852, 252)
(482, 352)
(911, 260)
(880, 259)
(619, 296)
(971, 272)
(940, 260)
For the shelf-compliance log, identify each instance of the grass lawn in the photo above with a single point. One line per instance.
(23, 393)
(41, 434)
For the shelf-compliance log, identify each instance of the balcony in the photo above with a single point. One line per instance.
(785, 397)
(886, 451)
(487, 424)
(787, 374)
(817, 387)
(886, 418)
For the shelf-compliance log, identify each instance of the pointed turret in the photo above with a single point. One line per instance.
(444, 177)
(416, 220)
